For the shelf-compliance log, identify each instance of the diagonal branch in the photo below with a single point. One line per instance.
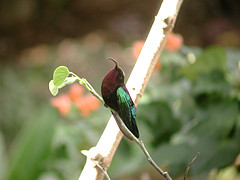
(108, 143)
(141, 145)
(189, 165)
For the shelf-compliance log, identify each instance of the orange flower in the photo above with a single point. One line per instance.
(137, 47)
(87, 104)
(174, 42)
(62, 103)
(76, 91)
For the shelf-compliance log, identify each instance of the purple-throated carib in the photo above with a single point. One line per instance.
(117, 97)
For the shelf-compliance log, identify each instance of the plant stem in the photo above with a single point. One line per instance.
(141, 145)
(189, 165)
(92, 90)
(88, 86)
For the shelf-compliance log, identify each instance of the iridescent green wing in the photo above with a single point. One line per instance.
(124, 103)
(127, 110)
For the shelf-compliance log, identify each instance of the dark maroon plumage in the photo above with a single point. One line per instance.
(110, 84)
(117, 97)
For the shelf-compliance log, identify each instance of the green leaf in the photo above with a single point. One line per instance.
(219, 118)
(59, 75)
(213, 58)
(53, 89)
(212, 83)
(174, 156)
(3, 156)
(32, 148)
(160, 120)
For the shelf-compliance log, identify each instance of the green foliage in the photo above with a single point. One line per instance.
(60, 79)
(32, 147)
(191, 105)
(59, 75)
(211, 59)
(195, 108)
(161, 120)
(53, 89)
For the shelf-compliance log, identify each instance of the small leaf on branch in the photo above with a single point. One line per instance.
(60, 74)
(53, 89)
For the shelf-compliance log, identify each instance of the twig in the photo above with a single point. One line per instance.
(150, 160)
(98, 159)
(111, 137)
(189, 165)
(103, 170)
(89, 87)
(141, 145)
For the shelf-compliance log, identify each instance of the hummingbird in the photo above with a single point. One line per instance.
(117, 97)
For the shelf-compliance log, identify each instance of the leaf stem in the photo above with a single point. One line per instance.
(72, 73)
(88, 86)
(91, 89)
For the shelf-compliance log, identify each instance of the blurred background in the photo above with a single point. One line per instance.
(190, 105)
